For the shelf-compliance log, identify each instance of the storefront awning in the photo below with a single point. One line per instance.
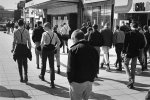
(48, 4)
(123, 6)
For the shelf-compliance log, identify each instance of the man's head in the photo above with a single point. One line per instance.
(77, 35)
(95, 26)
(134, 25)
(20, 22)
(39, 23)
(107, 25)
(47, 26)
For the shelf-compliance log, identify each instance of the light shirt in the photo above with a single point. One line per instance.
(21, 36)
(65, 29)
(46, 38)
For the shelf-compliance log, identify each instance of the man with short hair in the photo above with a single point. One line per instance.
(134, 42)
(36, 37)
(108, 41)
(82, 67)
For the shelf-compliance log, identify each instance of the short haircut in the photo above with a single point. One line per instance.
(135, 25)
(20, 22)
(55, 27)
(39, 23)
(117, 27)
(95, 26)
(145, 27)
(78, 34)
(47, 24)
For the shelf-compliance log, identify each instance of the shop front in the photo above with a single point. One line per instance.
(58, 12)
(99, 12)
(133, 10)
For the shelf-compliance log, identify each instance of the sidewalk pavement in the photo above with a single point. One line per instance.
(109, 85)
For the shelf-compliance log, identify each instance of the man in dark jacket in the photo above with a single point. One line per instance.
(82, 66)
(96, 40)
(134, 42)
(36, 37)
(108, 41)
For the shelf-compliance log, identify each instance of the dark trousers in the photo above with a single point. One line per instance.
(145, 57)
(65, 42)
(141, 58)
(22, 62)
(118, 49)
(50, 56)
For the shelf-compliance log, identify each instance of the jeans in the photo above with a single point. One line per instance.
(118, 49)
(22, 62)
(50, 56)
(37, 53)
(130, 73)
(57, 56)
(98, 50)
(80, 91)
(105, 50)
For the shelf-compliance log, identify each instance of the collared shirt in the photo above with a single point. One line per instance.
(65, 29)
(21, 36)
(47, 36)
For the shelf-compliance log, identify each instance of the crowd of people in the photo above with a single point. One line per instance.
(130, 42)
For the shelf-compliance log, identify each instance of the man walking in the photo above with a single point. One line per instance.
(36, 37)
(82, 67)
(118, 40)
(108, 40)
(134, 42)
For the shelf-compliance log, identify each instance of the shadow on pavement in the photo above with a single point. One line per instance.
(137, 85)
(57, 91)
(97, 96)
(12, 93)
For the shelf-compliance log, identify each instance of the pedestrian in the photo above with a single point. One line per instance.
(65, 35)
(8, 26)
(118, 41)
(147, 36)
(27, 25)
(134, 41)
(82, 67)
(141, 56)
(12, 25)
(48, 46)
(108, 41)
(57, 54)
(36, 38)
(96, 40)
(21, 43)
(89, 31)
(83, 28)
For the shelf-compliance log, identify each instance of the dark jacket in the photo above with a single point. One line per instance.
(107, 37)
(147, 35)
(134, 41)
(82, 62)
(96, 39)
(37, 34)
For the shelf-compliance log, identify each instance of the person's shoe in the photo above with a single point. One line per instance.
(41, 77)
(58, 70)
(38, 67)
(102, 65)
(108, 69)
(26, 79)
(119, 69)
(21, 80)
(130, 84)
(52, 84)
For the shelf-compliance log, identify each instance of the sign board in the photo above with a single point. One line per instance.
(91, 1)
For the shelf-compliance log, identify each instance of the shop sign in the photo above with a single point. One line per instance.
(91, 1)
(147, 8)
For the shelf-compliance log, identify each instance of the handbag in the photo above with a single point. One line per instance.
(49, 47)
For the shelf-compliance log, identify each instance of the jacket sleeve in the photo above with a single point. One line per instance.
(33, 36)
(126, 41)
(70, 66)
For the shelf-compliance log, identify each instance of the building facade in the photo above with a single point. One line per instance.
(132, 10)
(75, 12)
